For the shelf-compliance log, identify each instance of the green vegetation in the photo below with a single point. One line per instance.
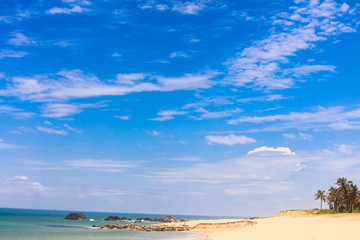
(345, 197)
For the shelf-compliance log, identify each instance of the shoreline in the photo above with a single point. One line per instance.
(294, 225)
(290, 224)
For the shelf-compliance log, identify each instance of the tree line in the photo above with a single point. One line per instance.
(344, 197)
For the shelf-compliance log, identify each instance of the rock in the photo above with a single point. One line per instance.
(254, 217)
(116, 218)
(76, 216)
(168, 219)
(147, 228)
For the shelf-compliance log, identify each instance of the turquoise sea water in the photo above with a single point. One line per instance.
(19, 224)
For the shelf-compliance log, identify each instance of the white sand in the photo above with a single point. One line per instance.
(293, 226)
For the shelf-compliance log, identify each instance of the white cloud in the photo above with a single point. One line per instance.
(58, 110)
(229, 140)
(220, 114)
(20, 39)
(301, 135)
(103, 165)
(334, 118)
(162, 7)
(267, 64)
(130, 79)
(21, 178)
(65, 10)
(4, 145)
(123, 117)
(266, 98)
(260, 188)
(230, 173)
(179, 54)
(346, 148)
(81, 2)
(21, 185)
(72, 129)
(75, 84)
(52, 130)
(188, 7)
(186, 159)
(168, 115)
(16, 112)
(305, 136)
(116, 54)
(282, 150)
(289, 135)
(152, 133)
(7, 53)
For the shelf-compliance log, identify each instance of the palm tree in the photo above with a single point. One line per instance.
(320, 195)
(353, 196)
(343, 191)
(333, 198)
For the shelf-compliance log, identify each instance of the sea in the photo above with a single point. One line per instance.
(29, 224)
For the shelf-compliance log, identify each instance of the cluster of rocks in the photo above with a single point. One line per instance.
(76, 216)
(167, 219)
(148, 228)
(116, 218)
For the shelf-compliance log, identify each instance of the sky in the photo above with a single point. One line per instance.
(232, 108)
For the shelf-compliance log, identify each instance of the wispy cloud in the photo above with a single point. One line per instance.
(205, 114)
(152, 133)
(266, 98)
(300, 135)
(75, 84)
(20, 39)
(51, 130)
(267, 64)
(187, 7)
(16, 112)
(232, 172)
(72, 129)
(179, 54)
(59, 110)
(4, 145)
(185, 159)
(183, 7)
(8, 53)
(168, 115)
(100, 165)
(21, 185)
(260, 188)
(229, 140)
(126, 117)
(333, 118)
(66, 10)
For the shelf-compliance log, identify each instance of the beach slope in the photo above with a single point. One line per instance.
(294, 225)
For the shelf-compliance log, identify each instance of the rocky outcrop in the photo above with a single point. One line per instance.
(168, 219)
(116, 218)
(76, 216)
(148, 228)
(201, 227)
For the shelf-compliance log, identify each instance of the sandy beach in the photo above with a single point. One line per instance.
(290, 225)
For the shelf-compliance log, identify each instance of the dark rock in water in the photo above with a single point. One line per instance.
(76, 216)
(169, 219)
(116, 218)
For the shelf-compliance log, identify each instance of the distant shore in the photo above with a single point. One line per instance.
(287, 225)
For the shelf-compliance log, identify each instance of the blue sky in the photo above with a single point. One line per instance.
(189, 107)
